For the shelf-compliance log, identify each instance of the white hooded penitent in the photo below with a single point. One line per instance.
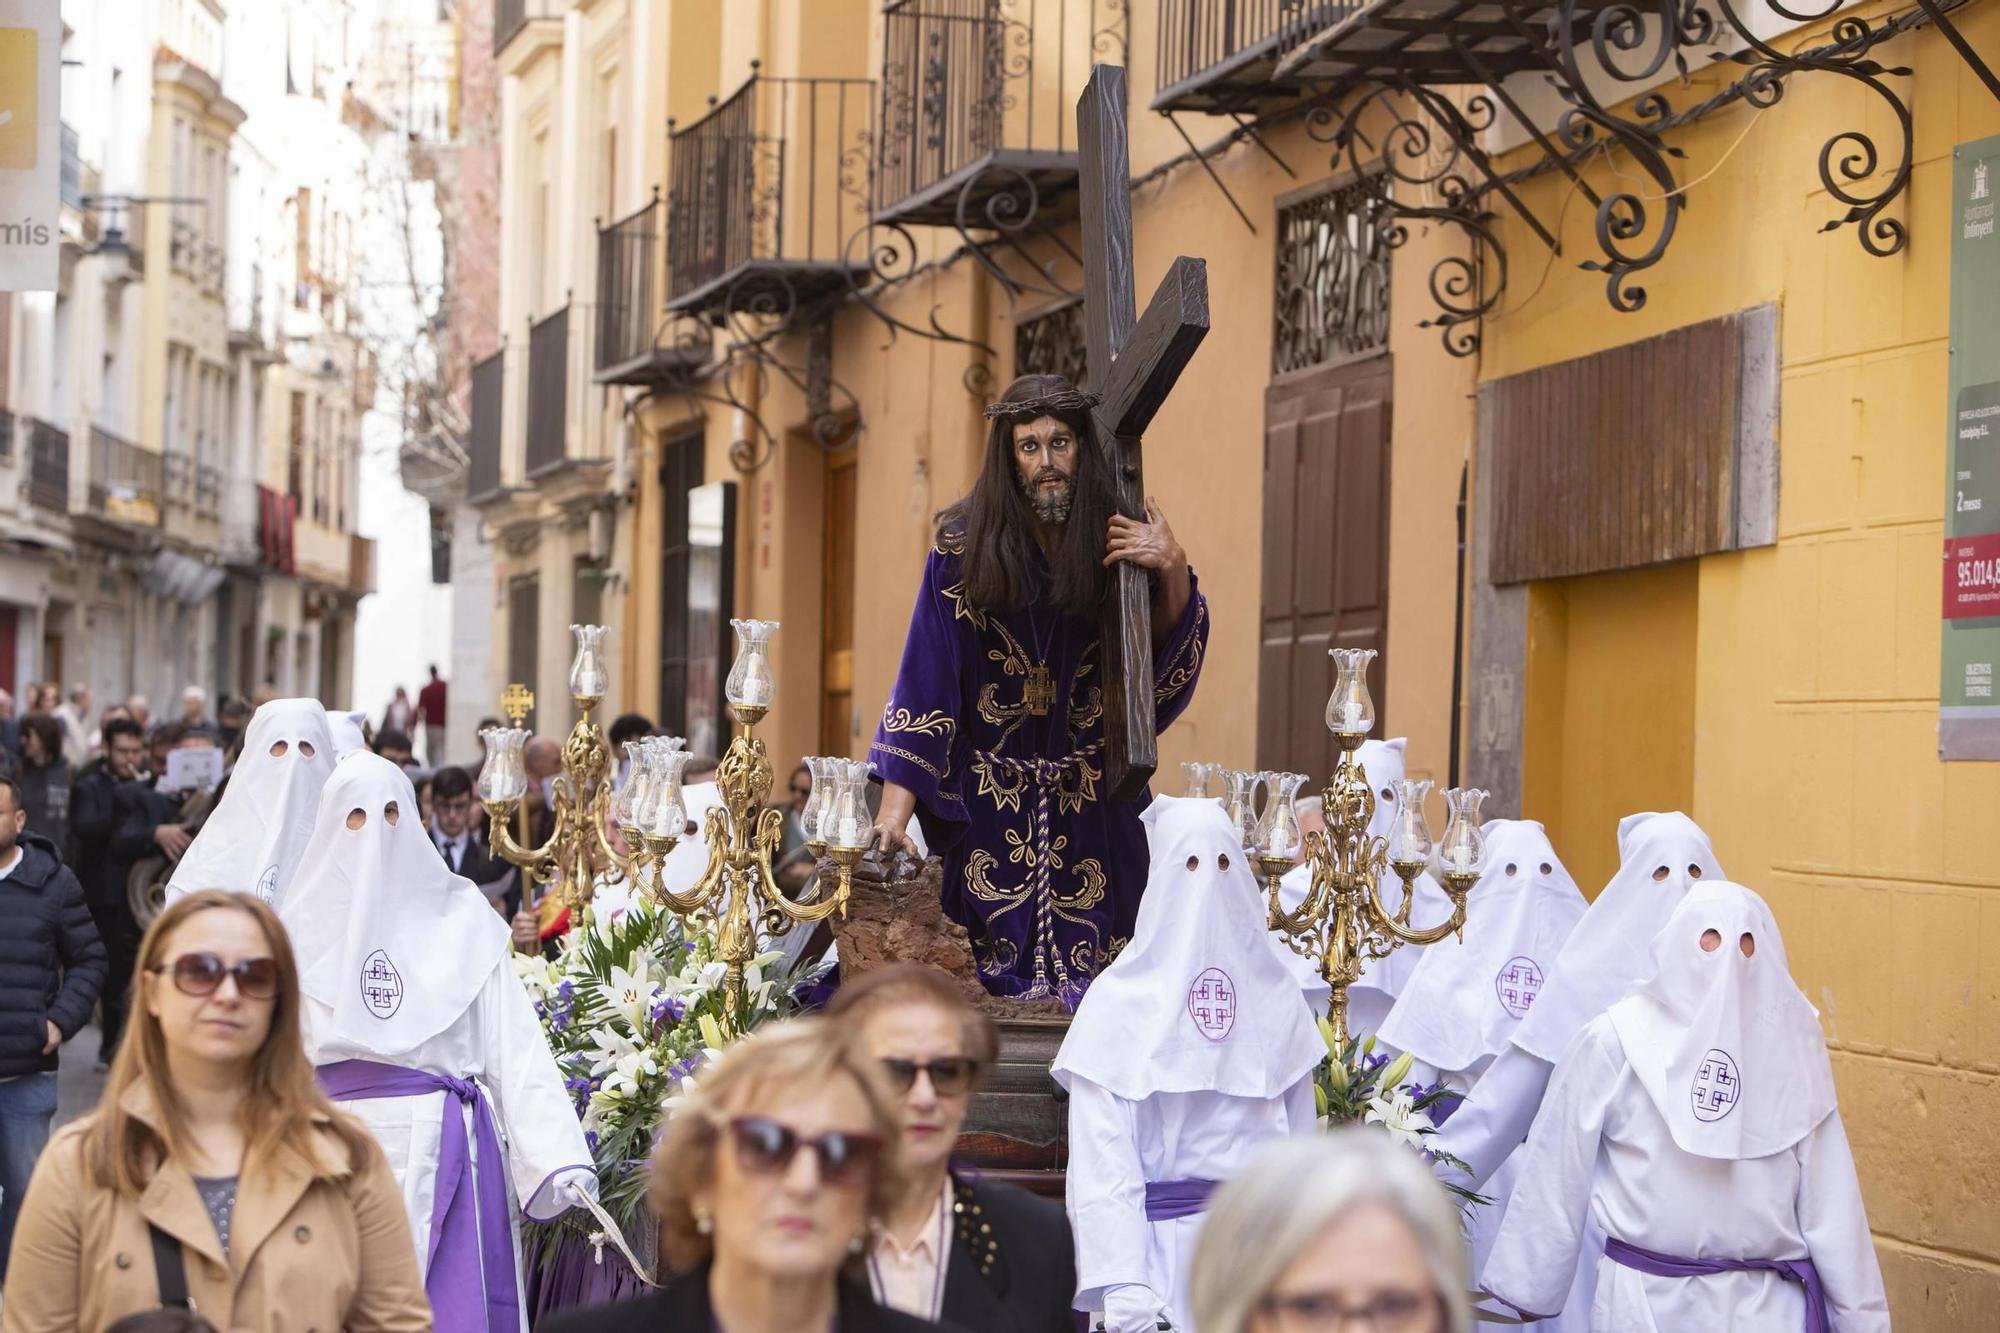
(1465, 996)
(256, 835)
(1192, 1049)
(403, 963)
(1694, 1121)
(347, 726)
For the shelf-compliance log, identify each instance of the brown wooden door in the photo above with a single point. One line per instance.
(524, 618)
(836, 720)
(1326, 553)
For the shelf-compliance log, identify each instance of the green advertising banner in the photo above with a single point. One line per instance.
(1968, 711)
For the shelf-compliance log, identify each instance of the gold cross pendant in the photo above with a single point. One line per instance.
(517, 702)
(1040, 691)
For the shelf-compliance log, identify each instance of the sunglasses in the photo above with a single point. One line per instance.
(202, 974)
(766, 1148)
(950, 1077)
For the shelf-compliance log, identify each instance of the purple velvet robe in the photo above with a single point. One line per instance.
(1040, 867)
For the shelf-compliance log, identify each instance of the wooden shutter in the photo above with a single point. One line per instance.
(1326, 553)
(680, 472)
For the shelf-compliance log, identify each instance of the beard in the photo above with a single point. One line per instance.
(1051, 504)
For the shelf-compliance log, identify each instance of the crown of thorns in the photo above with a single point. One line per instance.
(1072, 401)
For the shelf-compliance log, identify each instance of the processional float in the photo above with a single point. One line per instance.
(736, 895)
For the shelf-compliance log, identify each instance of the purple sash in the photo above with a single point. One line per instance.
(1800, 1271)
(469, 1235)
(1167, 1200)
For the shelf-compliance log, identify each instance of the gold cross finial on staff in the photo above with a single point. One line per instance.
(517, 702)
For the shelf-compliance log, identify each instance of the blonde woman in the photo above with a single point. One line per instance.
(213, 1162)
(1324, 1234)
(768, 1183)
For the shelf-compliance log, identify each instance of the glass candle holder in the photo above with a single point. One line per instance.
(809, 818)
(588, 676)
(751, 684)
(1240, 803)
(1409, 828)
(1278, 830)
(504, 775)
(845, 825)
(666, 817)
(1464, 844)
(625, 802)
(1349, 709)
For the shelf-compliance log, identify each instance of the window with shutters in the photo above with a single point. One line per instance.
(680, 472)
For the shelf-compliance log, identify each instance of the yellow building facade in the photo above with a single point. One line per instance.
(1781, 687)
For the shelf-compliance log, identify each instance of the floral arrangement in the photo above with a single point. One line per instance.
(1356, 1086)
(632, 1007)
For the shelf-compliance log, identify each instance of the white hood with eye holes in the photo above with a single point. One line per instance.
(1202, 999)
(388, 938)
(255, 837)
(1606, 953)
(347, 726)
(1727, 1047)
(1467, 994)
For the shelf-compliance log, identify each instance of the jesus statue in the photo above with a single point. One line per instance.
(995, 729)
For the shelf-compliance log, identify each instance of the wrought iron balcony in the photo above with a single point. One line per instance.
(125, 480)
(978, 107)
(548, 394)
(489, 397)
(631, 306)
(1221, 56)
(48, 464)
(764, 193)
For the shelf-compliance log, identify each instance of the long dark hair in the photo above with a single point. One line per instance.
(993, 527)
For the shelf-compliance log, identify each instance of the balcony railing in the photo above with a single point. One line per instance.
(125, 480)
(208, 491)
(631, 305)
(548, 393)
(48, 464)
(489, 398)
(1221, 56)
(765, 191)
(511, 16)
(978, 105)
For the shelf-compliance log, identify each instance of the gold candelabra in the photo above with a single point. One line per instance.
(1342, 921)
(736, 892)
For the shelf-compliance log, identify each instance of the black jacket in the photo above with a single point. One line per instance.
(45, 796)
(51, 962)
(485, 869)
(111, 823)
(681, 1306)
(1013, 1266)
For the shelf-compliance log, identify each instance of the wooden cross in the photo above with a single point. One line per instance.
(517, 701)
(1133, 363)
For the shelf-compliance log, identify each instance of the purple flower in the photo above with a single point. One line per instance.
(1371, 1063)
(667, 1011)
(680, 1069)
(590, 1140)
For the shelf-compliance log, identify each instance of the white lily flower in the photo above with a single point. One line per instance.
(1398, 1115)
(610, 1045)
(630, 995)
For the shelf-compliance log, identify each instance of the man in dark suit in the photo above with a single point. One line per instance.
(463, 846)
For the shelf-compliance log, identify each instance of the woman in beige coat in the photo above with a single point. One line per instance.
(282, 1211)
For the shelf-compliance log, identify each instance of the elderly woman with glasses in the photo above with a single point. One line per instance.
(768, 1183)
(214, 1169)
(1332, 1234)
(981, 1254)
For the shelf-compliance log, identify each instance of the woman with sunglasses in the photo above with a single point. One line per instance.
(1329, 1234)
(214, 1157)
(988, 1256)
(767, 1184)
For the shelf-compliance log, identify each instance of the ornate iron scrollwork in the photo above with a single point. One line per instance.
(1332, 297)
(1052, 342)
